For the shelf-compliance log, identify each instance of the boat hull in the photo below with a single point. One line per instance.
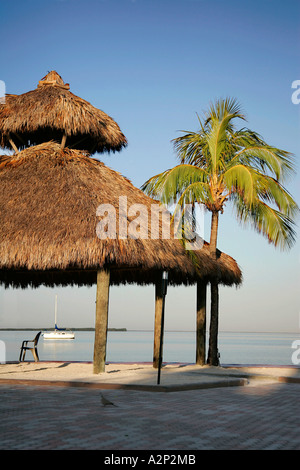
(59, 335)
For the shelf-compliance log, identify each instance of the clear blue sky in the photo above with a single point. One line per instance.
(152, 65)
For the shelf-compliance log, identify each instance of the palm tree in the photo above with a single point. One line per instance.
(220, 164)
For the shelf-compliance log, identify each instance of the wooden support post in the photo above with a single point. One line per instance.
(213, 357)
(102, 302)
(13, 144)
(201, 323)
(157, 322)
(63, 141)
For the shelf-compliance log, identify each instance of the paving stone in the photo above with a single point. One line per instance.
(264, 416)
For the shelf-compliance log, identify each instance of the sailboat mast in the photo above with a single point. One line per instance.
(55, 312)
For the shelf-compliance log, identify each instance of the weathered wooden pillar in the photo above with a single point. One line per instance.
(201, 323)
(13, 144)
(63, 141)
(102, 301)
(157, 322)
(213, 357)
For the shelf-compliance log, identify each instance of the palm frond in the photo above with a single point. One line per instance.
(277, 227)
(222, 107)
(272, 192)
(192, 148)
(220, 122)
(196, 192)
(168, 186)
(266, 158)
(242, 178)
(153, 186)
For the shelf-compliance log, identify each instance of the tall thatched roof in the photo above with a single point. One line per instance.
(48, 202)
(49, 112)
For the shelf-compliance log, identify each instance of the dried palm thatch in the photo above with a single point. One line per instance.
(48, 202)
(51, 112)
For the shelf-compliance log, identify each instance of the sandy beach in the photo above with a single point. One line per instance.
(142, 376)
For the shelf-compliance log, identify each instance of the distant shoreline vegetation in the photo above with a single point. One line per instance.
(51, 328)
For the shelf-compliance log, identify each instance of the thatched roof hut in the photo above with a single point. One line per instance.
(53, 112)
(50, 195)
(48, 207)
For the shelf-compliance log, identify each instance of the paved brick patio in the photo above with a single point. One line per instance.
(262, 416)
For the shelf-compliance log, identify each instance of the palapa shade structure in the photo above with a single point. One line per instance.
(48, 201)
(49, 198)
(53, 112)
(50, 195)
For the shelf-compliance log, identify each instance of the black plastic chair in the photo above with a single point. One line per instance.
(32, 348)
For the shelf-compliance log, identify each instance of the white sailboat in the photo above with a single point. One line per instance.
(58, 333)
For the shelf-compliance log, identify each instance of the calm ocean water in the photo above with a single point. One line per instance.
(137, 346)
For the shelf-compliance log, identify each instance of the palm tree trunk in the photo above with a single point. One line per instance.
(214, 234)
(213, 355)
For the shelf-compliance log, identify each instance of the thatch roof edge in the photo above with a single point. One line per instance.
(49, 112)
(38, 240)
